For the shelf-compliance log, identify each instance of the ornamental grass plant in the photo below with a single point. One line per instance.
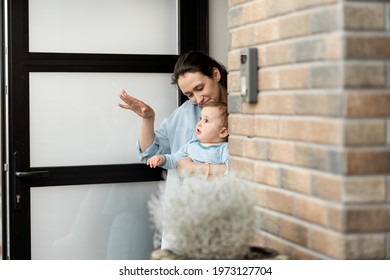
(206, 219)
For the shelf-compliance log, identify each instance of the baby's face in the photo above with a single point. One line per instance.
(209, 127)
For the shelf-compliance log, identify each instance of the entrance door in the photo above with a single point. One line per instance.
(75, 187)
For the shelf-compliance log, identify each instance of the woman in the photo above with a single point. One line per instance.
(201, 79)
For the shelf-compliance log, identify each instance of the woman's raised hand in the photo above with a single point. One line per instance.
(137, 106)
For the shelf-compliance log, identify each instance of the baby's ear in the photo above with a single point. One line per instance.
(224, 132)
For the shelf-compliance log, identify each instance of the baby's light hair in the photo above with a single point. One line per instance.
(223, 110)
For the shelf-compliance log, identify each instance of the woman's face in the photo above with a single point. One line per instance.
(200, 88)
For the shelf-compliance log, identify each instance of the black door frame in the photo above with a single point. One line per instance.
(2, 129)
(193, 35)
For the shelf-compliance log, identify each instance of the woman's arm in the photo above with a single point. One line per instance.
(143, 110)
(146, 136)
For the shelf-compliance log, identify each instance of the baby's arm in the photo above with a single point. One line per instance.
(155, 160)
(167, 161)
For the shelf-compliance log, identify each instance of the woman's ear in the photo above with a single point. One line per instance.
(216, 74)
(224, 132)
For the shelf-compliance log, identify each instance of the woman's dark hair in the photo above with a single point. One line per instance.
(195, 61)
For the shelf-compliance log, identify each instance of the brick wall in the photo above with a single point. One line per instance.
(316, 145)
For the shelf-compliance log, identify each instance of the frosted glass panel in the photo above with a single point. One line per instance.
(103, 26)
(109, 221)
(75, 118)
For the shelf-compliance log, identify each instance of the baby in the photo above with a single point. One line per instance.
(210, 147)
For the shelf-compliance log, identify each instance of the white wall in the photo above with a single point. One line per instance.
(218, 36)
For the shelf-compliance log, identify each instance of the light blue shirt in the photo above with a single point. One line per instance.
(214, 154)
(174, 132)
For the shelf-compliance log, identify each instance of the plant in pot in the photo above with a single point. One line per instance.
(206, 220)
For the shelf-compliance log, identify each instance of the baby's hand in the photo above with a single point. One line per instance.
(156, 160)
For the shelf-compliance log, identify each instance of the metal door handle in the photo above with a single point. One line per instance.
(32, 174)
(18, 177)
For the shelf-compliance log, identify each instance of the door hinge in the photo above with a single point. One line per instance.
(6, 167)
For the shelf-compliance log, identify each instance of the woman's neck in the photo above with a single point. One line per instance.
(223, 95)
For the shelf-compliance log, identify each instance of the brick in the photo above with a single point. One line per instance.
(267, 222)
(266, 127)
(319, 98)
(235, 145)
(234, 82)
(365, 132)
(336, 160)
(278, 7)
(261, 195)
(266, 32)
(369, 104)
(242, 37)
(334, 47)
(267, 173)
(367, 161)
(294, 129)
(278, 244)
(310, 50)
(294, 232)
(365, 247)
(336, 219)
(241, 168)
(365, 47)
(368, 219)
(326, 76)
(312, 157)
(369, 75)
(254, 148)
(241, 125)
(388, 247)
(258, 240)
(327, 186)
(281, 152)
(268, 80)
(388, 188)
(262, 56)
(254, 108)
(280, 54)
(280, 201)
(321, 104)
(320, 21)
(327, 242)
(294, 26)
(233, 61)
(367, 16)
(388, 71)
(279, 104)
(303, 4)
(295, 78)
(234, 103)
(388, 132)
(233, 3)
(298, 180)
(365, 189)
(235, 17)
(311, 210)
(327, 131)
(302, 254)
(254, 11)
